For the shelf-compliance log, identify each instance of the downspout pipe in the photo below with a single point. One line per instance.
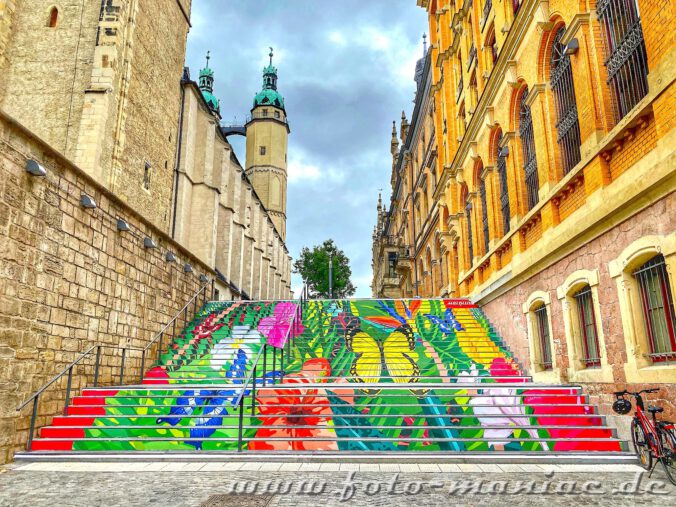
(179, 148)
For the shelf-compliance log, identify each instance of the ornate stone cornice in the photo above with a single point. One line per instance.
(534, 91)
(578, 21)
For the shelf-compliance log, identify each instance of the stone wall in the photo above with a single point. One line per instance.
(103, 87)
(506, 311)
(69, 279)
(218, 210)
(40, 85)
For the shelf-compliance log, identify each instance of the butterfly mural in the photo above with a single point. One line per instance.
(395, 355)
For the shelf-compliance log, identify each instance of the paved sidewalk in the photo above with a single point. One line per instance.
(194, 484)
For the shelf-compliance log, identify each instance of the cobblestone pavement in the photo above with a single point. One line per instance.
(189, 484)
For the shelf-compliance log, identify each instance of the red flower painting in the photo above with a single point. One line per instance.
(296, 416)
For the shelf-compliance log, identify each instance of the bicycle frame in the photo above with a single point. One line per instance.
(650, 427)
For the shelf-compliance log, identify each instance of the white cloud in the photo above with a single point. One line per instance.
(337, 38)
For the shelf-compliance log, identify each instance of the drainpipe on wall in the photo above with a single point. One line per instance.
(178, 154)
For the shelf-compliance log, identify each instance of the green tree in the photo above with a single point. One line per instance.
(313, 266)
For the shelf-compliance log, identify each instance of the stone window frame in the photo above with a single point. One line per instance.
(577, 370)
(537, 299)
(639, 368)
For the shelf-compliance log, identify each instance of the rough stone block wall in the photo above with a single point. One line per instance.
(69, 280)
(151, 108)
(506, 311)
(46, 70)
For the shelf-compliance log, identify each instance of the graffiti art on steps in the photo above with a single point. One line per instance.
(350, 368)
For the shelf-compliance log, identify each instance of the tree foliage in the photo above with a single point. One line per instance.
(313, 266)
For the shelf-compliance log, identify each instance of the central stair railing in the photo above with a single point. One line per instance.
(263, 353)
(105, 364)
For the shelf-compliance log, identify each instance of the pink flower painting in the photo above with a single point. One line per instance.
(276, 327)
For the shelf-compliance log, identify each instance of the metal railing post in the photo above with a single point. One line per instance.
(281, 364)
(31, 431)
(241, 424)
(96, 366)
(185, 316)
(213, 290)
(68, 385)
(124, 352)
(253, 393)
(143, 364)
(159, 347)
(265, 362)
(274, 365)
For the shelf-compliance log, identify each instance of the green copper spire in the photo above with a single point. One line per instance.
(269, 96)
(207, 86)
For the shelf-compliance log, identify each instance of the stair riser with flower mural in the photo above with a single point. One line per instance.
(363, 375)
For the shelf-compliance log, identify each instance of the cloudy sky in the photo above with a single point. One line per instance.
(345, 71)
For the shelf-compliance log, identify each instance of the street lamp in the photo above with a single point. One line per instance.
(330, 275)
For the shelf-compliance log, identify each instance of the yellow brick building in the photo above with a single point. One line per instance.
(553, 188)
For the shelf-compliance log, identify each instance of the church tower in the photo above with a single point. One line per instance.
(267, 133)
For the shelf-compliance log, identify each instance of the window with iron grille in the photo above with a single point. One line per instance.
(468, 212)
(542, 330)
(658, 308)
(501, 157)
(488, 5)
(587, 323)
(567, 123)
(626, 58)
(528, 148)
(484, 214)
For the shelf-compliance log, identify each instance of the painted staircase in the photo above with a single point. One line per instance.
(428, 376)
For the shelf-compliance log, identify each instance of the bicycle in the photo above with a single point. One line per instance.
(652, 439)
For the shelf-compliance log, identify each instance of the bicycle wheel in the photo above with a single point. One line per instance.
(641, 445)
(669, 453)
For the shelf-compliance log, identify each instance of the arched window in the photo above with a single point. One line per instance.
(53, 17)
(541, 329)
(501, 158)
(657, 304)
(627, 61)
(586, 321)
(484, 215)
(567, 124)
(530, 166)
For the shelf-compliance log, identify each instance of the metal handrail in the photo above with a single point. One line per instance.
(57, 377)
(239, 402)
(160, 334)
(292, 324)
(192, 299)
(69, 369)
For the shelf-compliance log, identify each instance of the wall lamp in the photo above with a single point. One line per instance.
(122, 226)
(572, 47)
(204, 278)
(170, 257)
(187, 268)
(35, 169)
(149, 243)
(87, 201)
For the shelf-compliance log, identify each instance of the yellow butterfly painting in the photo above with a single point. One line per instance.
(396, 354)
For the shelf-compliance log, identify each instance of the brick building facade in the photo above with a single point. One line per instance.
(553, 185)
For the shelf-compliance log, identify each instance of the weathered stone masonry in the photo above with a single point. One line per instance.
(69, 279)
